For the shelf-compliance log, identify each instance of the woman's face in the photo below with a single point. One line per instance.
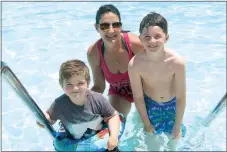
(109, 27)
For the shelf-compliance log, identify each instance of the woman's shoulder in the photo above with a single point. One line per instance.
(93, 53)
(135, 43)
(93, 48)
(133, 38)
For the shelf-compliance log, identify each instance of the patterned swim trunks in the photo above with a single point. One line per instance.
(162, 115)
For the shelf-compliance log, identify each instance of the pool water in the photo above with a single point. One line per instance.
(38, 36)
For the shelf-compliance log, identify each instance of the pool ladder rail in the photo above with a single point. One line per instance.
(20, 90)
(214, 113)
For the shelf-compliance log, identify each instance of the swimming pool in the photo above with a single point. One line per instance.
(38, 36)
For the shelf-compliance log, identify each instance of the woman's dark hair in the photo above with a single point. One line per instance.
(105, 9)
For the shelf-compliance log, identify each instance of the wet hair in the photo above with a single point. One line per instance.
(154, 19)
(105, 9)
(71, 68)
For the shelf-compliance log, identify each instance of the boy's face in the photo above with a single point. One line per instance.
(153, 38)
(75, 88)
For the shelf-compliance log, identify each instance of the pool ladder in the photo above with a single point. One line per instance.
(213, 114)
(24, 95)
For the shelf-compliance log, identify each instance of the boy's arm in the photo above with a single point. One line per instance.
(113, 124)
(110, 116)
(48, 118)
(137, 91)
(114, 129)
(51, 114)
(180, 85)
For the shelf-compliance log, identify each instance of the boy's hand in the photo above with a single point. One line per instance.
(149, 129)
(39, 124)
(112, 143)
(176, 132)
(47, 117)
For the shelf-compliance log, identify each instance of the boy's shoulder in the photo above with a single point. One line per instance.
(95, 97)
(93, 94)
(174, 57)
(61, 98)
(136, 60)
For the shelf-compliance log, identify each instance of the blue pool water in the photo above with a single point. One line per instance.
(38, 36)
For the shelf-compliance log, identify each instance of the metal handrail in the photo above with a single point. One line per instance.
(24, 95)
(217, 109)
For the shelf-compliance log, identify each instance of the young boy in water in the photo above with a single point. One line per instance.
(80, 109)
(157, 77)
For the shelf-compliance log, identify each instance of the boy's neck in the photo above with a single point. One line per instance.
(156, 56)
(79, 102)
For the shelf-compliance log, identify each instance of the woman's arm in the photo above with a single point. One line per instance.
(97, 73)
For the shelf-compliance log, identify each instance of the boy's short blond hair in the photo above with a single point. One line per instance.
(73, 67)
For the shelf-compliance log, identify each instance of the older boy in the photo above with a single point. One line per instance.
(80, 109)
(157, 77)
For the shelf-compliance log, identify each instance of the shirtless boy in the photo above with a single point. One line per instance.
(158, 82)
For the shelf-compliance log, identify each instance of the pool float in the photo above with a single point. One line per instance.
(96, 141)
(62, 141)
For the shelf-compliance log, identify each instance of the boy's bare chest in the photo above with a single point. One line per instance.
(157, 72)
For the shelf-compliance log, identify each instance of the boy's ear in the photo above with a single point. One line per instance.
(96, 27)
(88, 83)
(167, 37)
(140, 38)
